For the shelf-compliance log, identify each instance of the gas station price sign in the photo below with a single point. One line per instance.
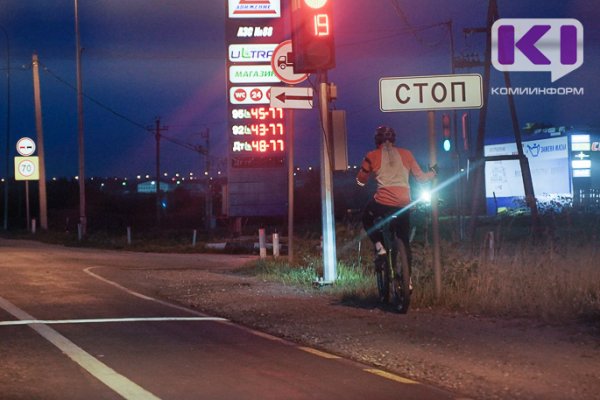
(256, 133)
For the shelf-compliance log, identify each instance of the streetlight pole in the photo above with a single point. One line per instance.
(81, 174)
(7, 154)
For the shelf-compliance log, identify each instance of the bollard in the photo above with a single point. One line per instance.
(129, 235)
(194, 236)
(276, 245)
(262, 243)
(79, 232)
(33, 226)
(491, 245)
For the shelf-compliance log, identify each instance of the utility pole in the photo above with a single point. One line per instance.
(492, 16)
(81, 174)
(40, 143)
(157, 136)
(7, 153)
(208, 194)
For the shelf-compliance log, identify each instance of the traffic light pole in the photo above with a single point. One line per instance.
(328, 221)
(435, 229)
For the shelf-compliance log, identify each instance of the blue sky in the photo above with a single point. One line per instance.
(151, 58)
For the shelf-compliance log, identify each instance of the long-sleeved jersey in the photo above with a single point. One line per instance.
(392, 167)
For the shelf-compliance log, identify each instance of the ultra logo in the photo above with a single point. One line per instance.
(554, 45)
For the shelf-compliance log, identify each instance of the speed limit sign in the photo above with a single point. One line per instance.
(27, 168)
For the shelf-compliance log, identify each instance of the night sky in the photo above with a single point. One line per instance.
(144, 59)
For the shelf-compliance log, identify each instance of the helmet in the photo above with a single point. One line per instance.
(383, 134)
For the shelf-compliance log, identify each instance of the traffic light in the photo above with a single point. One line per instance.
(446, 132)
(312, 35)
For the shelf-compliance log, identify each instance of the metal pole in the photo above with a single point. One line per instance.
(82, 211)
(7, 153)
(329, 250)
(435, 230)
(40, 142)
(208, 200)
(290, 186)
(27, 212)
(157, 136)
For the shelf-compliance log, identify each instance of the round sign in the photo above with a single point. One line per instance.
(26, 168)
(25, 146)
(282, 64)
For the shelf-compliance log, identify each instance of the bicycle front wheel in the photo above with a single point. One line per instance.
(401, 281)
(382, 272)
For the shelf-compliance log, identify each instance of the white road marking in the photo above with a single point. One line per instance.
(105, 320)
(142, 296)
(117, 382)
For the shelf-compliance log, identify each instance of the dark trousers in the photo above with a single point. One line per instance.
(400, 224)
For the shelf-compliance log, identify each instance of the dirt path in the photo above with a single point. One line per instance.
(473, 356)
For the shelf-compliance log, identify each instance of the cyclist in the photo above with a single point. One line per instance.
(392, 167)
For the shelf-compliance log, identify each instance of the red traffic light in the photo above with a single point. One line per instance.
(312, 35)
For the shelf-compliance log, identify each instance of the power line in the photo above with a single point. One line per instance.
(118, 114)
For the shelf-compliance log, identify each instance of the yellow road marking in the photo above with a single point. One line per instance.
(318, 353)
(391, 376)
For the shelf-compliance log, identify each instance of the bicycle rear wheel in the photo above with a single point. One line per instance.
(400, 291)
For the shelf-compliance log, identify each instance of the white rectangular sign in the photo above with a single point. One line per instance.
(426, 93)
(292, 97)
(27, 168)
(254, 8)
(252, 74)
(249, 94)
(251, 53)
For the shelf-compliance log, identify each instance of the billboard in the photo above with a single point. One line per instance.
(549, 165)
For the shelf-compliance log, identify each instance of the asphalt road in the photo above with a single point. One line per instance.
(68, 333)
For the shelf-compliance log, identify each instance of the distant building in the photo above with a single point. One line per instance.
(150, 187)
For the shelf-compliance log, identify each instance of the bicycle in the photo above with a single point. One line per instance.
(392, 270)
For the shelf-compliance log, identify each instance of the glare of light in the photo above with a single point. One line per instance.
(426, 196)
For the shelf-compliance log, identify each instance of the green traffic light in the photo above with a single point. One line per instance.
(447, 145)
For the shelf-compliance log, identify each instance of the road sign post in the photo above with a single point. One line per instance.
(430, 93)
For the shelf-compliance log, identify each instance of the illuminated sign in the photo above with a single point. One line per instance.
(257, 113)
(256, 133)
(251, 52)
(252, 74)
(254, 8)
(249, 94)
(258, 146)
(312, 35)
(255, 32)
(596, 146)
(548, 161)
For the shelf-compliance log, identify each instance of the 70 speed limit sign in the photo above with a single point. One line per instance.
(27, 168)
